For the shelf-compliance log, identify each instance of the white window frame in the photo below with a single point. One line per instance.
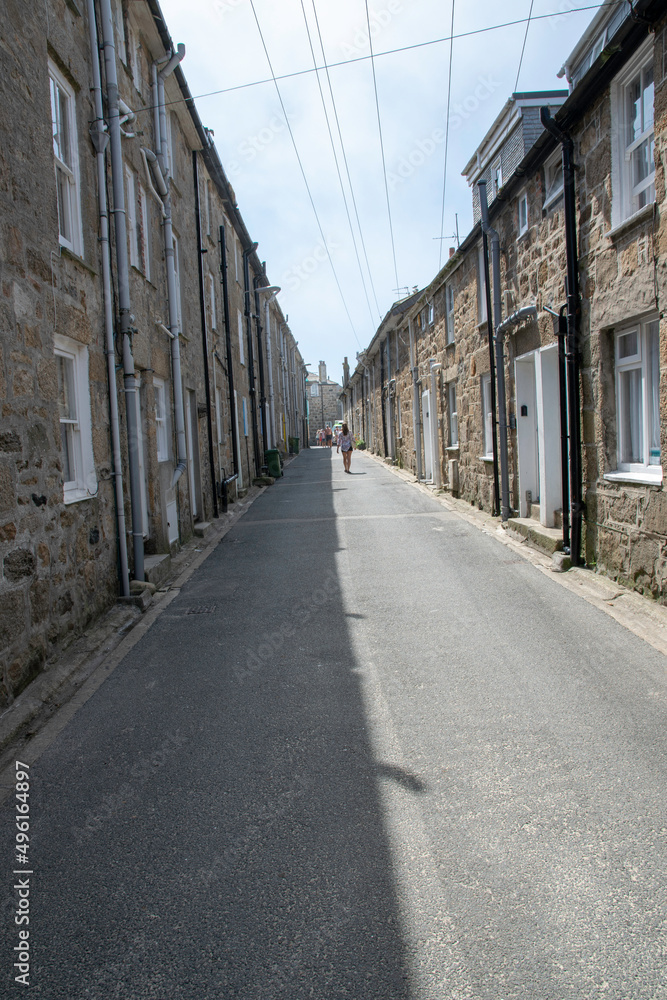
(119, 26)
(481, 290)
(144, 232)
(211, 298)
(141, 448)
(314, 389)
(449, 313)
(453, 436)
(626, 195)
(241, 350)
(171, 166)
(68, 179)
(177, 282)
(135, 61)
(161, 419)
(83, 485)
(131, 215)
(487, 416)
(496, 177)
(522, 213)
(207, 205)
(244, 408)
(553, 178)
(647, 364)
(236, 259)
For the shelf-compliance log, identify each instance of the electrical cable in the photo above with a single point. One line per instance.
(347, 168)
(303, 172)
(391, 52)
(335, 155)
(444, 171)
(384, 164)
(518, 72)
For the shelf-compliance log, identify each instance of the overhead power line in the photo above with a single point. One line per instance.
(303, 172)
(384, 164)
(523, 49)
(444, 171)
(402, 48)
(335, 156)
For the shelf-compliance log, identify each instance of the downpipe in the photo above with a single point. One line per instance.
(129, 374)
(416, 413)
(160, 171)
(577, 505)
(500, 359)
(100, 140)
(204, 332)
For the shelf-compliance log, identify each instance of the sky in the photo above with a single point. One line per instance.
(276, 143)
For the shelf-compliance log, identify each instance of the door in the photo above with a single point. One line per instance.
(427, 425)
(526, 433)
(194, 476)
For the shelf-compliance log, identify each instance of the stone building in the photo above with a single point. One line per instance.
(324, 405)
(432, 368)
(141, 363)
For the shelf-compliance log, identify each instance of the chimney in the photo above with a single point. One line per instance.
(323, 371)
(346, 371)
(452, 251)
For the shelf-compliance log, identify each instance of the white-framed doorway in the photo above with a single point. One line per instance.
(538, 432)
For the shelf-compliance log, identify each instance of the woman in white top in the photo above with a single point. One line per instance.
(345, 444)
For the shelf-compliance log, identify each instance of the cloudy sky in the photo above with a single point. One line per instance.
(335, 289)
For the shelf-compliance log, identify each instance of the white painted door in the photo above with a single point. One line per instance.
(547, 398)
(427, 425)
(526, 431)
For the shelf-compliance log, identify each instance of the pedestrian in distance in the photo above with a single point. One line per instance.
(346, 445)
(328, 436)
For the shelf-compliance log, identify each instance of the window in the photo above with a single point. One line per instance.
(523, 214)
(237, 271)
(431, 313)
(496, 178)
(63, 125)
(76, 441)
(144, 232)
(171, 152)
(481, 289)
(141, 454)
(211, 299)
(553, 178)
(218, 414)
(131, 216)
(207, 205)
(453, 439)
(161, 432)
(449, 313)
(633, 167)
(119, 29)
(638, 400)
(241, 351)
(177, 281)
(487, 417)
(136, 61)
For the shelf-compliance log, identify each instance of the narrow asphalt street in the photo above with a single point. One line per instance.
(368, 752)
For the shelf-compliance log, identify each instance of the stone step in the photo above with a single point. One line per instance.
(549, 540)
(157, 567)
(201, 528)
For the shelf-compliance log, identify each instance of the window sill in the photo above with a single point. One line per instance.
(634, 220)
(76, 495)
(486, 458)
(647, 477)
(66, 251)
(553, 200)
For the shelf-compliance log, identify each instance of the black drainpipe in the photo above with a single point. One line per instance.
(561, 334)
(260, 360)
(251, 357)
(228, 347)
(383, 402)
(492, 369)
(577, 506)
(202, 305)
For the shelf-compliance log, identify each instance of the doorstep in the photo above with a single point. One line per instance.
(157, 567)
(549, 540)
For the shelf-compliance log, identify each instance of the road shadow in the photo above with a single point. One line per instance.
(210, 824)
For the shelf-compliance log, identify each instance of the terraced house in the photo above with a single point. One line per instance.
(530, 376)
(145, 359)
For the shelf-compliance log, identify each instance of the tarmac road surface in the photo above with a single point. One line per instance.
(366, 752)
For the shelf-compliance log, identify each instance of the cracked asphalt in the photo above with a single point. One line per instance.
(366, 751)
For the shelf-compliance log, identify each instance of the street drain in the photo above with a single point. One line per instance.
(202, 609)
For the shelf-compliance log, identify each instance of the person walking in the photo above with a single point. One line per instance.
(328, 435)
(346, 445)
